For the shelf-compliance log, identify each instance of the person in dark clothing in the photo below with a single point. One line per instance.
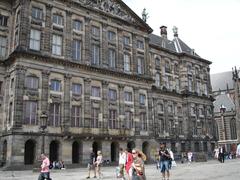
(91, 165)
(222, 152)
(164, 161)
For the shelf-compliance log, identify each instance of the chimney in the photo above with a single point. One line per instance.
(163, 31)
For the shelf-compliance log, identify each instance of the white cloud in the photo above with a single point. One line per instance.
(211, 27)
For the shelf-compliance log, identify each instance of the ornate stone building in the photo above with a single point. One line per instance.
(101, 79)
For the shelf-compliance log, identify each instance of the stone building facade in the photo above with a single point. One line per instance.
(103, 81)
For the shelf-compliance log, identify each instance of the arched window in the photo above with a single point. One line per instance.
(233, 129)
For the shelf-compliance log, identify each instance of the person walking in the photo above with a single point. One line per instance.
(45, 174)
(122, 162)
(138, 165)
(128, 165)
(189, 155)
(222, 154)
(98, 164)
(91, 165)
(164, 161)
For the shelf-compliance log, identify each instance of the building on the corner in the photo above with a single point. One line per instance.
(225, 88)
(103, 81)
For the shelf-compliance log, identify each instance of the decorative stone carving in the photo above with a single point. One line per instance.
(109, 6)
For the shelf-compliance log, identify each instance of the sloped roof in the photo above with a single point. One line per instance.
(221, 81)
(176, 45)
(225, 100)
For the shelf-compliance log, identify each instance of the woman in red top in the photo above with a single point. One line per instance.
(129, 164)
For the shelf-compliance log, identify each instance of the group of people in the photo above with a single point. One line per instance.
(95, 164)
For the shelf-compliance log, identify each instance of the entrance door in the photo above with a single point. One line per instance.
(29, 153)
(54, 151)
(114, 151)
(75, 152)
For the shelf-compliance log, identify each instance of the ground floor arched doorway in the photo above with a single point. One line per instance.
(114, 151)
(29, 152)
(146, 149)
(54, 151)
(76, 152)
(96, 146)
(131, 145)
(4, 153)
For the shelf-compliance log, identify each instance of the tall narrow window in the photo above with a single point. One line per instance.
(142, 99)
(129, 120)
(57, 45)
(96, 31)
(10, 113)
(58, 20)
(157, 80)
(167, 82)
(140, 44)
(95, 54)
(95, 91)
(95, 117)
(167, 67)
(76, 116)
(112, 58)
(126, 40)
(113, 124)
(140, 65)
(31, 113)
(190, 84)
(111, 36)
(177, 85)
(37, 13)
(32, 82)
(143, 120)
(157, 62)
(128, 96)
(55, 114)
(126, 63)
(112, 93)
(3, 20)
(77, 25)
(35, 38)
(76, 50)
(3, 46)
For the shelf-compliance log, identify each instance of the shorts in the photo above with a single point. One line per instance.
(164, 166)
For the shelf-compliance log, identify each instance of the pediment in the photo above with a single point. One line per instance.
(118, 9)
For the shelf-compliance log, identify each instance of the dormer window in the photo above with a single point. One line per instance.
(58, 20)
(37, 13)
(3, 20)
(77, 25)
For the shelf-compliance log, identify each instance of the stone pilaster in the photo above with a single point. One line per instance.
(121, 100)
(104, 103)
(134, 60)
(45, 91)
(68, 36)
(67, 110)
(6, 98)
(104, 46)
(120, 50)
(18, 96)
(87, 46)
(137, 122)
(87, 102)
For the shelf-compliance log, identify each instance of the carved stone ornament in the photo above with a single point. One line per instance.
(109, 6)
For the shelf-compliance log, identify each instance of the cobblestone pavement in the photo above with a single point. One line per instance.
(196, 171)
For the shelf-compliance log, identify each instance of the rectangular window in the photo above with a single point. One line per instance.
(112, 93)
(157, 62)
(111, 36)
(76, 89)
(32, 82)
(95, 91)
(129, 120)
(142, 99)
(143, 120)
(31, 113)
(3, 20)
(3, 46)
(177, 85)
(55, 85)
(35, 38)
(140, 44)
(126, 63)
(37, 13)
(77, 25)
(205, 89)
(180, 127)
(96, 31)
(112, 58)
(128, 96)
(95, 117)
(95, 54)
(57, 45)
(140, 66)
(198, 85)
(167, 82)
(126, 40)
(57, 19)
(167, 67)
(113, 123)
(76, 50)
(170, 108)
(76, 116)
(55, 115)
(160, 108)
(190, 84)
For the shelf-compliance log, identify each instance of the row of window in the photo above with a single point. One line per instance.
(77, 120)
(55, 85)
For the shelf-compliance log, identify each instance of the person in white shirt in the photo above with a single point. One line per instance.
(98, 164)
(122, 162)
(189, 154)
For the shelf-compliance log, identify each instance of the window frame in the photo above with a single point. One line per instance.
(38, 14)
(35, 40)
(55, 85)
(57, 42)
(77, 50)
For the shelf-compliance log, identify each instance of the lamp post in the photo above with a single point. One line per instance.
(43, 126)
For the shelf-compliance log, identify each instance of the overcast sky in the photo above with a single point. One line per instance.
(211, 27)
